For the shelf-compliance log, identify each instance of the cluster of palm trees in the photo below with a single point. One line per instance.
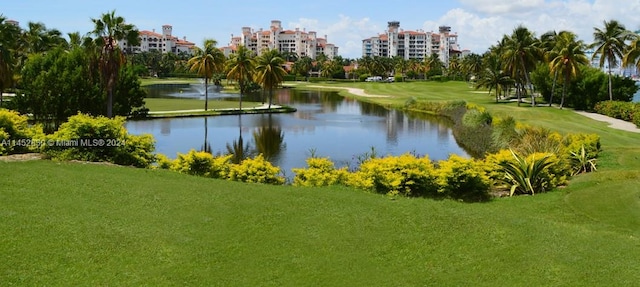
(507, 65)
(243, 67)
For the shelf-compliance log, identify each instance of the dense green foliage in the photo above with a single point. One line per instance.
(586, 90)
(625, 111)
(16, 134)
(99, 139)
(59, 84)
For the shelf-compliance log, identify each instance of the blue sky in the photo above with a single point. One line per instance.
(479, 23)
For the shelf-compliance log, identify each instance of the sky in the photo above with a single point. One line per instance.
(478, 23)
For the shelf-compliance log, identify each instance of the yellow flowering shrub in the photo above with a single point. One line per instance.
(256, 170)
(320, 172)
(460, 177)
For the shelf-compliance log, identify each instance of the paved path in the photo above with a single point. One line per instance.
(355, 91)
(613, 123)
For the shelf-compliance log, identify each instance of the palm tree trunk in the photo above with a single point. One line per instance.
(527, 82)
(1, 97)
(110, 103)
(610, 89)
(553, 87)
(270, 97)
(564, 88)
(206, 93)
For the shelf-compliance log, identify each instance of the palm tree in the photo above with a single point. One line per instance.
(609, 44)
(547, 47)
(206, 62)
(569, 56)
(109, 29)
(632, 55)
(472, 65)
(492, 77)
(269, 71)
(8, 44)
(520, 54)
(303, 66)
(241, 67)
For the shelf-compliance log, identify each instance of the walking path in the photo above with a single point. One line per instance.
(355, 91)
(613, 123)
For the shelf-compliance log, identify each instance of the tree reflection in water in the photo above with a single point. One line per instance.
(269, 139)
(237, 148)
(206, 146)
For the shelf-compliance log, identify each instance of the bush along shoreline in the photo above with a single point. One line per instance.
(509, 158)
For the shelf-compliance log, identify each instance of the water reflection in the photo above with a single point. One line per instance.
(269, 139)
(325, 122)
(237, 149)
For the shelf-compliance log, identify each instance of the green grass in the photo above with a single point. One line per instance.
(162, 104)
(68, 224)
(154, 81)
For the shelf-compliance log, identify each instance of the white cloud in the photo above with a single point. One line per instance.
(502, 6)
(487, 21)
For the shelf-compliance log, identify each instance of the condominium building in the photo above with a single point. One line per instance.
(299, 42)
(165, 42)
(412, 44)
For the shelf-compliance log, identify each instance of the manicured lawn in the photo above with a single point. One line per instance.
(67, 224)
(164, 104)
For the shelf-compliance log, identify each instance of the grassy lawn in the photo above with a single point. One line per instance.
(153, 81)
(66, 224)
(162, 104)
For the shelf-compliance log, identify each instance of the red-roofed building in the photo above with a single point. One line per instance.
(299, 42)
(412, 44)
(165, 42)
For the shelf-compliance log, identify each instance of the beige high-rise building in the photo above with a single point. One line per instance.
(165, 42)
(412, 44)
(299, 42)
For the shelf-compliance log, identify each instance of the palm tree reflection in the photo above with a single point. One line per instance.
(269, 139)
(237, 148)
(206, 146)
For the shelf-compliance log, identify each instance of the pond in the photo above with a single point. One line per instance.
(325, 125)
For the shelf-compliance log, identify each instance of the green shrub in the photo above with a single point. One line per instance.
(475, 118)
(493, 166)
(459, 177)
(320, 172)
(504, 132)
(527, 175)
(199, 163)
(16, 135)
(532, 139)
(99, 139)
(617, 109)
(581, 161)
(398, 78)
(404, 175)
(256, 170)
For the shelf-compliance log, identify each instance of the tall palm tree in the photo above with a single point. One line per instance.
(520, 55)
(241, 67)
(569, 57)
(609, 44)
(8, 44)
(206, 62)
(547, 47)
(109, 29)
(269, 71)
